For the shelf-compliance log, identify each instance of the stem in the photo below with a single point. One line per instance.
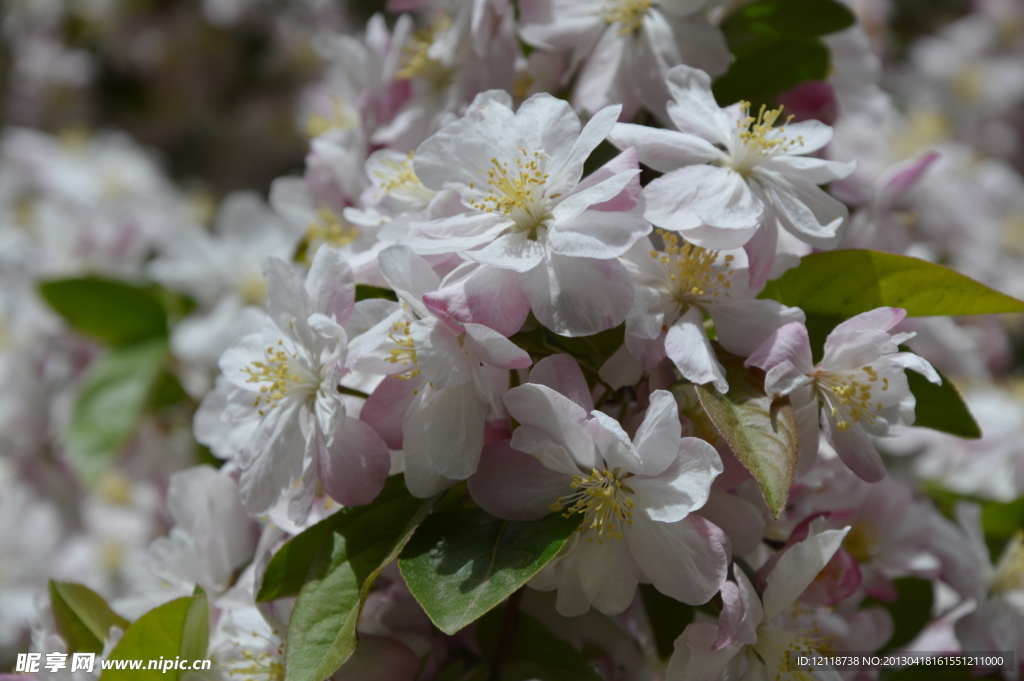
(508, 627)
(353, 392)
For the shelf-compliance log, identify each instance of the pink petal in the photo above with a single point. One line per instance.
(515, 486)
(385, 409)
(353, 469)
(562, 374)
(482, 295)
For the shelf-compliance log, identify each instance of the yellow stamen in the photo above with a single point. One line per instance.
(601, 498)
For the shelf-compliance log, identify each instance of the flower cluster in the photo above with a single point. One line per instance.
(556, 360)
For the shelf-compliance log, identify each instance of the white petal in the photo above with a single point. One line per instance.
(597, 128)
(742, 521)
(855, 448)
(408, 275)
(694, 109)
(562, 374)
(806, 211)
(682, 487)
(694, 659)
(551, 419)
(608, 574)
(657, 438)
(455, 434)
(579, 201)
(789, 342)
(598, 234)
(579, 296)
(491, 347)
(687, 345)
(797, 569)
(331, 285)
(661, 149)
(695, 196)
(439, 354)
(613, 443)
(784, 378)
(687, 560)
(514, 251)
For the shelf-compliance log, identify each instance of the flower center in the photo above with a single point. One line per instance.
(253, 289)
(277, 376)
(771, 647)
(1010, 569)
(417, 62)
(756, 139)
(850, 399)
(601, 498)
(517, 193)
(266, 664)
(862, 542)
(628, 14)
(342, 117)
(404, 352)
(692, 272)
(398, 177)
(328, 228)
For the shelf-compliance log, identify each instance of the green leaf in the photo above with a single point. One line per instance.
(532, 652)
(776, 47)
(911, 610)
(169, 631)
(764, 72)
(289, 567)
(1002, 520)
(872, 279)
(761, 433)
(590, 352)
(464, 562)
(111, 311)
(772, 21)
(668, 618)
(362, 540)
(82, 617)
(365, 291)
(941, 408)
(110, 401)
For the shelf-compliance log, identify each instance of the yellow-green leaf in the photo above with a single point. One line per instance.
(83, 619)
(848, 282)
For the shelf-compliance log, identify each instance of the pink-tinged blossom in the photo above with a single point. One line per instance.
(283, 393)
(997, 590)
(889, 527)
(444, 380)
(860, 384)
(675, 288)
(636, 497)
(732, 178)
(754, 632)
(621, 50)
(536, 236)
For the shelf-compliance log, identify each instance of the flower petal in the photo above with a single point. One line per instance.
(663, 150)
(657, 438)
(798, 567)
(579, 296)
(481, 294)
(687, 560)
(562, 374)
(689, 348)
(682, 487)
(352, 470)
(515, 486)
